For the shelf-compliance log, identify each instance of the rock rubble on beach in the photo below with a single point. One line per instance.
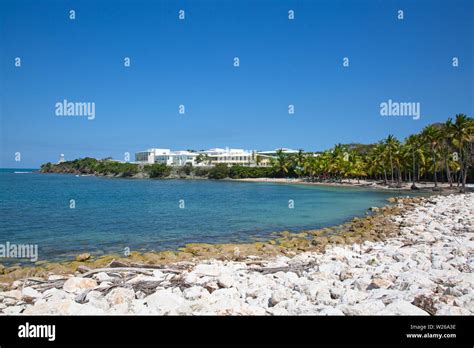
(427, 269)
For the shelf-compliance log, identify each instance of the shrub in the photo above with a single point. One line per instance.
(129, 169)
(220, 171)
(158, 170)
(45, 168)
(201, 171)
(240, 172)
(187, 169)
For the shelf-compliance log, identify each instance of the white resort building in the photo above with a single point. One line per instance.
(209, 157)
(230, 156)
(166, 156)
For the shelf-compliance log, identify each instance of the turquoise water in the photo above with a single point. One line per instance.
(145, 215)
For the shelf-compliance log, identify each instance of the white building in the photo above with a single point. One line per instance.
(230, 156)
(150, 155)
(209, 157)
(181, 158)
(166, 156)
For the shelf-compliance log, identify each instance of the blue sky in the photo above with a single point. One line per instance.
(190, 62)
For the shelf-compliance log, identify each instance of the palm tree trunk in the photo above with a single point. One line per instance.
(434, 170)
(448, 173)
(461, 171)
(465, 166)
(464, 179)
(391, 164)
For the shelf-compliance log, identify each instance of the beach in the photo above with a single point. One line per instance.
(375, 184)
(416, 257)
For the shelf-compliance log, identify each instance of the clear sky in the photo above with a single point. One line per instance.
(190, 62)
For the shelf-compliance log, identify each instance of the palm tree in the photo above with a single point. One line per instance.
(446, 136)
(299, 161)
(413, 143)
(281, 164)
(378, 158)
(338, 161)
(420, 155)
(432, 136)
(462, 138)
(308, 167)
(323, 165)
(358, 167)
(391, 145)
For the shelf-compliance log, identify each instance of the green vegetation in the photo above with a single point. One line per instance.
(90, 165)
(241, 172)
(220, 171)
(201, 171)
(157, 170)
(202, 158)
(440, 150)
(185, 170)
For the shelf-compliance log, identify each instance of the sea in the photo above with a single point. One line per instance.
(67, 214)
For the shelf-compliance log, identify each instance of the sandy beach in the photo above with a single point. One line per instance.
(404, 186)
(422, 265)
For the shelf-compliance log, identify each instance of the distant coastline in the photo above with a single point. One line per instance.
(441, 153)
(112, 169)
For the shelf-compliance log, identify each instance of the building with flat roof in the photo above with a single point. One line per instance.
(209, 157)
(230, 156)
(166, 156)
(181, 158)
(151, 155)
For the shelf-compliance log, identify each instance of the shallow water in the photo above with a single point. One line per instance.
(111, 214)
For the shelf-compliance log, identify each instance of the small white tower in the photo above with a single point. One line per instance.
(61, 158)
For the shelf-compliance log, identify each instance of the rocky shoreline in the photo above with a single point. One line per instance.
(415, 257)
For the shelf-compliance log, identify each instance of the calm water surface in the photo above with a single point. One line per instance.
(145, 215)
